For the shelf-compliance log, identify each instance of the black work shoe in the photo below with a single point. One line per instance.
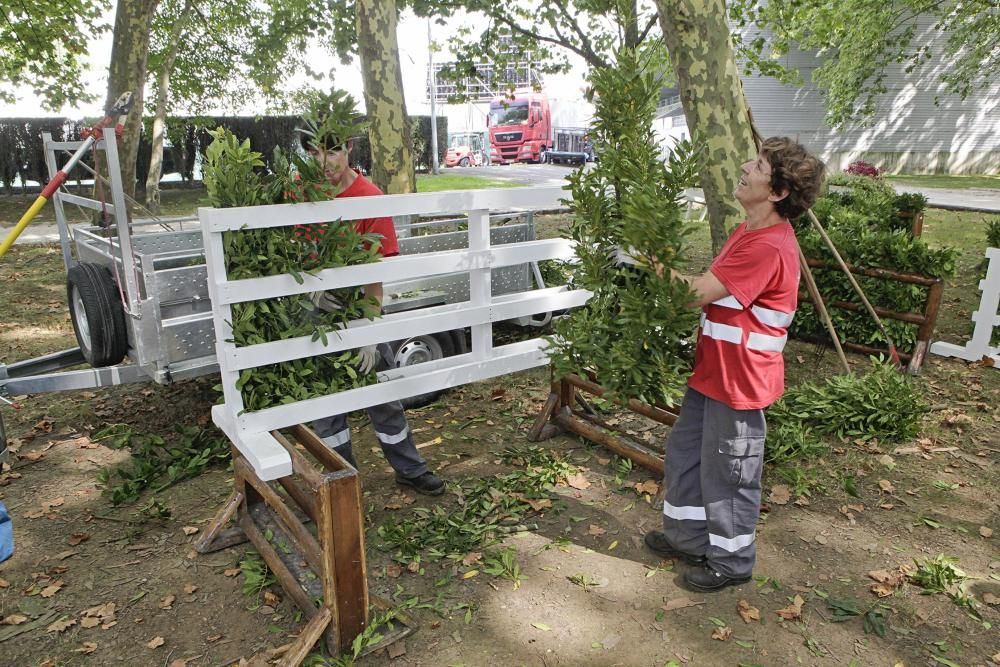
(428, 484)
(706, 580)
(656, 540)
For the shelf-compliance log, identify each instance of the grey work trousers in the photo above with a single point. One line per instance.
(391, 430)
(714, 457)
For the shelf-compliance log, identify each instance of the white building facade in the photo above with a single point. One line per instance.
(909, 133)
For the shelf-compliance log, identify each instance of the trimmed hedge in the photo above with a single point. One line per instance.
(864, 223)
(22, 157)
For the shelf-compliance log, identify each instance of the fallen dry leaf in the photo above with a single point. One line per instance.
(61, 625)
(396, 649)
(991, 599)
(886, 486)
(650, 486)
(55, 502)
(189, 589)
(747, 611)
(793, 611)
(4, 583)
(471, 557)
(168, 602)
(52, 589)
(723, 633)
(180, 662)
(271, 599)
(155, 642)
(393, 570)
(681, 603)
(13, 619)
(89, 622)
(413, 567)
(189, 530)
(596, 530)
(986, 532)
(231, 572)
(578, 481)
(470, 574)
(87, 648)
(888, 581)
(780, 494)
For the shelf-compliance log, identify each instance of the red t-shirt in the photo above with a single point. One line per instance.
(362, 187)
(738, 360)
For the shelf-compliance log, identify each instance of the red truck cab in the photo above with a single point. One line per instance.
(520, 128)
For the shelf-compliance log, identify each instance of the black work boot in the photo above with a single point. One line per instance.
(706, 580)
(428, 483)
(657, 541)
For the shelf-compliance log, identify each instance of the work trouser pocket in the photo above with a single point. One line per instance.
(745, 455)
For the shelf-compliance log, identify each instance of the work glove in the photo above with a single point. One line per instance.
(367, 359)
(325, 301)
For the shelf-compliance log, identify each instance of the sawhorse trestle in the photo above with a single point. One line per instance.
(309, 529)
(567, 409)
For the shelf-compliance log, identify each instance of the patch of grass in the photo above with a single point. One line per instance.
(432, 183)
(958, 181)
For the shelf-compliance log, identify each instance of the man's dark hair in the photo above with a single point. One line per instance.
(796, 170)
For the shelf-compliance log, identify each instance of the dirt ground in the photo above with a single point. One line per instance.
(592, 595)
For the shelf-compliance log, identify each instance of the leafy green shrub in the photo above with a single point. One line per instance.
(233, 177)
(993, 232)
(864, 224)
(882, 403)
(791, 442)
(635, 332)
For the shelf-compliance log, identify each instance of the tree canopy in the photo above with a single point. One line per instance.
(858, 40)
(43, 45)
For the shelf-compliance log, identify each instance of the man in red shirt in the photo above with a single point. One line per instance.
(748, 297)
(388, 419)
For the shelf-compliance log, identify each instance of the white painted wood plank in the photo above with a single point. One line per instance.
(396, 269)
(354, 208)
(406, 324)
(406, 381)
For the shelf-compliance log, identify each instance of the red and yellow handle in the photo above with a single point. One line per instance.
(120, 107)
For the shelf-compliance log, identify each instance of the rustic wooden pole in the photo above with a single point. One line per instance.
(644, 457)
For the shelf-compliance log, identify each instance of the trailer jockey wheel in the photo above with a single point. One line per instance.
(95, 308)
(420, 349)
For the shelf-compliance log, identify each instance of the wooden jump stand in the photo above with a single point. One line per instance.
(567, 409)
(322, 570)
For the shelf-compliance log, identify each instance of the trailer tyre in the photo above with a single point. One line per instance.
(421, 349)
(464, 162)
(96, 311)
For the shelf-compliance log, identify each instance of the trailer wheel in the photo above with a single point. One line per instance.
(424, 348)
(96, 311)
(464, 162)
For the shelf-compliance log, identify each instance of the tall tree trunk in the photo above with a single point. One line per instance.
(631, 21)
(160, 119)
(127, 72)
(389, 130)
(701, 51)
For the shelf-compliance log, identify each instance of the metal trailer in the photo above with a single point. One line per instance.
(570, 146)
(138, 293)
